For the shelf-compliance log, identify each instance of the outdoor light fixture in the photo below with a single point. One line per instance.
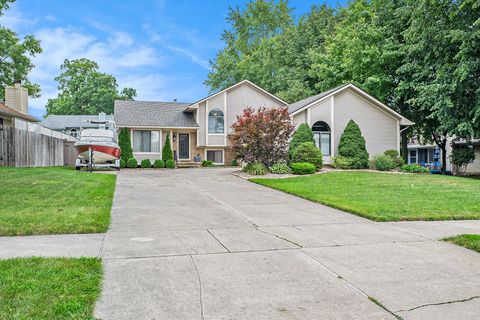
(174, 137)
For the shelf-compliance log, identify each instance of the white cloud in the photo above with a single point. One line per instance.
(118, 55)
(192, 56)
(14, 19)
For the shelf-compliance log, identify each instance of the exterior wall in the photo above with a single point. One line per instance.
(474, 168)
(381, 131)
(16, 97)
(299, 118)
(245, 96)
(232, 102)
(7, 122)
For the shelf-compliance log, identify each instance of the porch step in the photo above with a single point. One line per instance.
(184, 164)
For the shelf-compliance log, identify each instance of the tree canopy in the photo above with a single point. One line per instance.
(15, 57)
(420, 57)
(83, 89)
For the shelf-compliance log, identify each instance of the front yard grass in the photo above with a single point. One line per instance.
(49, 288)
(469, 241)
(388, 197)
(54, 200)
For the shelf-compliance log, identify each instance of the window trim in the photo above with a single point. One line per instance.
(223, 155)
(132, 133)
(209, 117)
(319, 133)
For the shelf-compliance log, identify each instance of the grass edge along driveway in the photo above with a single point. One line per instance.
(469, 241)
(54, 200)
(387, 196)
(49, 288)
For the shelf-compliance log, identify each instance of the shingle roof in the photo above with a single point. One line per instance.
(154, 114)
(302, 103)
(10, 112)
(60, 122)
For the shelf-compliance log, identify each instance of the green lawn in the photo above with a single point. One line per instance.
(388, 197)
(49, 288)
(470, 241)
(54, 200)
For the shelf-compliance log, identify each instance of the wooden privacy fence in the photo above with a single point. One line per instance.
(23, 148)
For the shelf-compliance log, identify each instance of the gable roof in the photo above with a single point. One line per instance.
(237, 85)
(153, 114)
(61, 122)
(10, 112)
(301, 105)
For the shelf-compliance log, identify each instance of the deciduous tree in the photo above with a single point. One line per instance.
(262, 135)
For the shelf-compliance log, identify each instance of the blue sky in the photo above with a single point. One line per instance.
(159, 47)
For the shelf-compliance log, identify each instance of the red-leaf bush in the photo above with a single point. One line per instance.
(262, 135)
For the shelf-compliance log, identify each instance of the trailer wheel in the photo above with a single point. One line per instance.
(78, 168)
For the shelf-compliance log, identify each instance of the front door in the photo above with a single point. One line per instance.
(183, 146)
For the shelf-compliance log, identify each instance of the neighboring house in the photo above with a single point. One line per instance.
(329, 112)
(429, 155)
(200, 128)
(71, 124)
(15, 106)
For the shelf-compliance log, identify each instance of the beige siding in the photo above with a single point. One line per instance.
(245, 96)
(299, 118)
(216, 140)
(379, 129)
(321, 112)
(201, 123)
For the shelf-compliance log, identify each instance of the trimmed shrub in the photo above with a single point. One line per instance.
(461, 156)
(341, 162)
(302, 168)
(383, 162)
(170, 164)
(256, 169)
(146, 163)
(167, 153)
(132, 163)
(413, 168)
(159, 164)
(352, 147)
(301, 135)
(123, 164)
(395, 156)
(234, 163)
(279, 168)
(207, 163)
(125, 144)
(308, 152)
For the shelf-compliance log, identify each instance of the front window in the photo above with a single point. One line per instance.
(216, 156)
(413, 156)
(146, 141)
(215, 121)
(321, 134)
(74, 133)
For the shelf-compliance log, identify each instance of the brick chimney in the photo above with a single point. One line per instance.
(16, 97)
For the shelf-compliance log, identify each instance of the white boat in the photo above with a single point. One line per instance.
(98, 147)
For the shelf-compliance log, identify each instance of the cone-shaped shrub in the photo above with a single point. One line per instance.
(167, 153)
(125, 144)
(352, 147)
(301, 135)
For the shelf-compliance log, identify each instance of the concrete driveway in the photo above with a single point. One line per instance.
(203, 244)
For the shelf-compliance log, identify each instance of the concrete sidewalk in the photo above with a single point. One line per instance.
(203, 244)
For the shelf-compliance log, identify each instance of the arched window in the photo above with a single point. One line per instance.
(74, 133)
(321, 134)
(215, 121)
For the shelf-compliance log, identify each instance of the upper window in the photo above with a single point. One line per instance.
(146, 141)
(215, 121)
(321, 134)
(74, 133)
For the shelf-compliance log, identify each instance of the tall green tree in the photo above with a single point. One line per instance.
(83, 89)
(251, 29)
(15, 57)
